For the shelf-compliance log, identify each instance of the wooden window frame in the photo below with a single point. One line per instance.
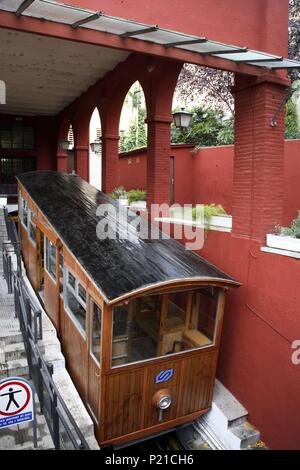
(74, 291)
(213, 345)
(91, 302)
(45, 259)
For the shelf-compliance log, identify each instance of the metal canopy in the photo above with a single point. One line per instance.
(81, 18)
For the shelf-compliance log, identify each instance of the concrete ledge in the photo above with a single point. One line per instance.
(225, 426)
(278, 251)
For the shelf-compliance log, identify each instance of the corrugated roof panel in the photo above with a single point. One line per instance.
(82, 18)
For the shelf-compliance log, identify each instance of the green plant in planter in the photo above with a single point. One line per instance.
(210, 210)
(118, 193)
(292, 231)
(136, 195)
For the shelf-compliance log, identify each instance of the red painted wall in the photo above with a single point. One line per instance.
(262, 317)
(261, 322)
(258, 24)
(206, 176)
(291, 201)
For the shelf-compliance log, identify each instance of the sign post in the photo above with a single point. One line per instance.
(17, 404)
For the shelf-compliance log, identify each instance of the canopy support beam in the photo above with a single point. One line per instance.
(128, 34)
(24, 5)
(183, 43)
(88, 19)
(232, 51)
(274, 59)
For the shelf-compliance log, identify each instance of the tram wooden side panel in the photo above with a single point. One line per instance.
(128, 395)
(51, 299)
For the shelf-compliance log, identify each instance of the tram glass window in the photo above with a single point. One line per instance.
(24, 212)
(75, 303)
(96, 331)
(50, 258)
(160, 325)
(61, 271)
(32, 227)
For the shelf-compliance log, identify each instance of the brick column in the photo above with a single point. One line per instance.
(81, 154)
(110, 162)
(158, 160)
(259, 158)
(62, 161)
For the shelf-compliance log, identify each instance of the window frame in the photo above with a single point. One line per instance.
(91, 302)
(67, 286)
(175, 354)
(24, 202)
(46, 239)
(25, 129)
(30, 222)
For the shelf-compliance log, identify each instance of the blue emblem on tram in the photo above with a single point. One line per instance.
(164, 375)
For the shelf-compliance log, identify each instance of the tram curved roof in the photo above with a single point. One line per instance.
(121, 268)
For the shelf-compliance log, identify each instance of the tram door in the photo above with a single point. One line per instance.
(94, 360)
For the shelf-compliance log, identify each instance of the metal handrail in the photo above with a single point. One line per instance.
(26, 312)
(59, 419)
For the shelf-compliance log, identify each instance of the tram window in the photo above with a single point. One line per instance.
(81, 293)
(50, 258)
(71, 280)
(75, 302)
(61, 271)
(32, 226)
(24, 213)
(177, 305)
(160, 325)
(96, 331)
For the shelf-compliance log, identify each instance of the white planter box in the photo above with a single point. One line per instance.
(224, 221)
(123, 202)
(283, 242)
(138, 204)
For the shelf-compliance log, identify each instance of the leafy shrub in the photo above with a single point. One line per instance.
(210, 210)
(136, 195)
(118, 193)
(293, 230)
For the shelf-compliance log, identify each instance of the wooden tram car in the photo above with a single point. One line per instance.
(139, 320)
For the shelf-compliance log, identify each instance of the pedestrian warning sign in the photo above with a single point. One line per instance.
(16, 402)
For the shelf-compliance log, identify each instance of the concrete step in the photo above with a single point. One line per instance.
(225, 426)
(14, 338)
(11, 352)
(17, 368)
(246, 435)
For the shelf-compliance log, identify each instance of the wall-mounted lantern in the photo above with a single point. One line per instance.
(64, 144)
(182, 119)
(96, 146)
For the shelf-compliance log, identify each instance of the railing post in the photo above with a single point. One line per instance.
(9, 274)
(55, 420)
(40, 385)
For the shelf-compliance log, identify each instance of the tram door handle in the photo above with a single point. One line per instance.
(162, 400)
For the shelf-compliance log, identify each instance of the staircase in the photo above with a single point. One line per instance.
(13, 363)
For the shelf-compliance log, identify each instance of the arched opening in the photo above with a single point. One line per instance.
(133, 129)
(95, 166)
